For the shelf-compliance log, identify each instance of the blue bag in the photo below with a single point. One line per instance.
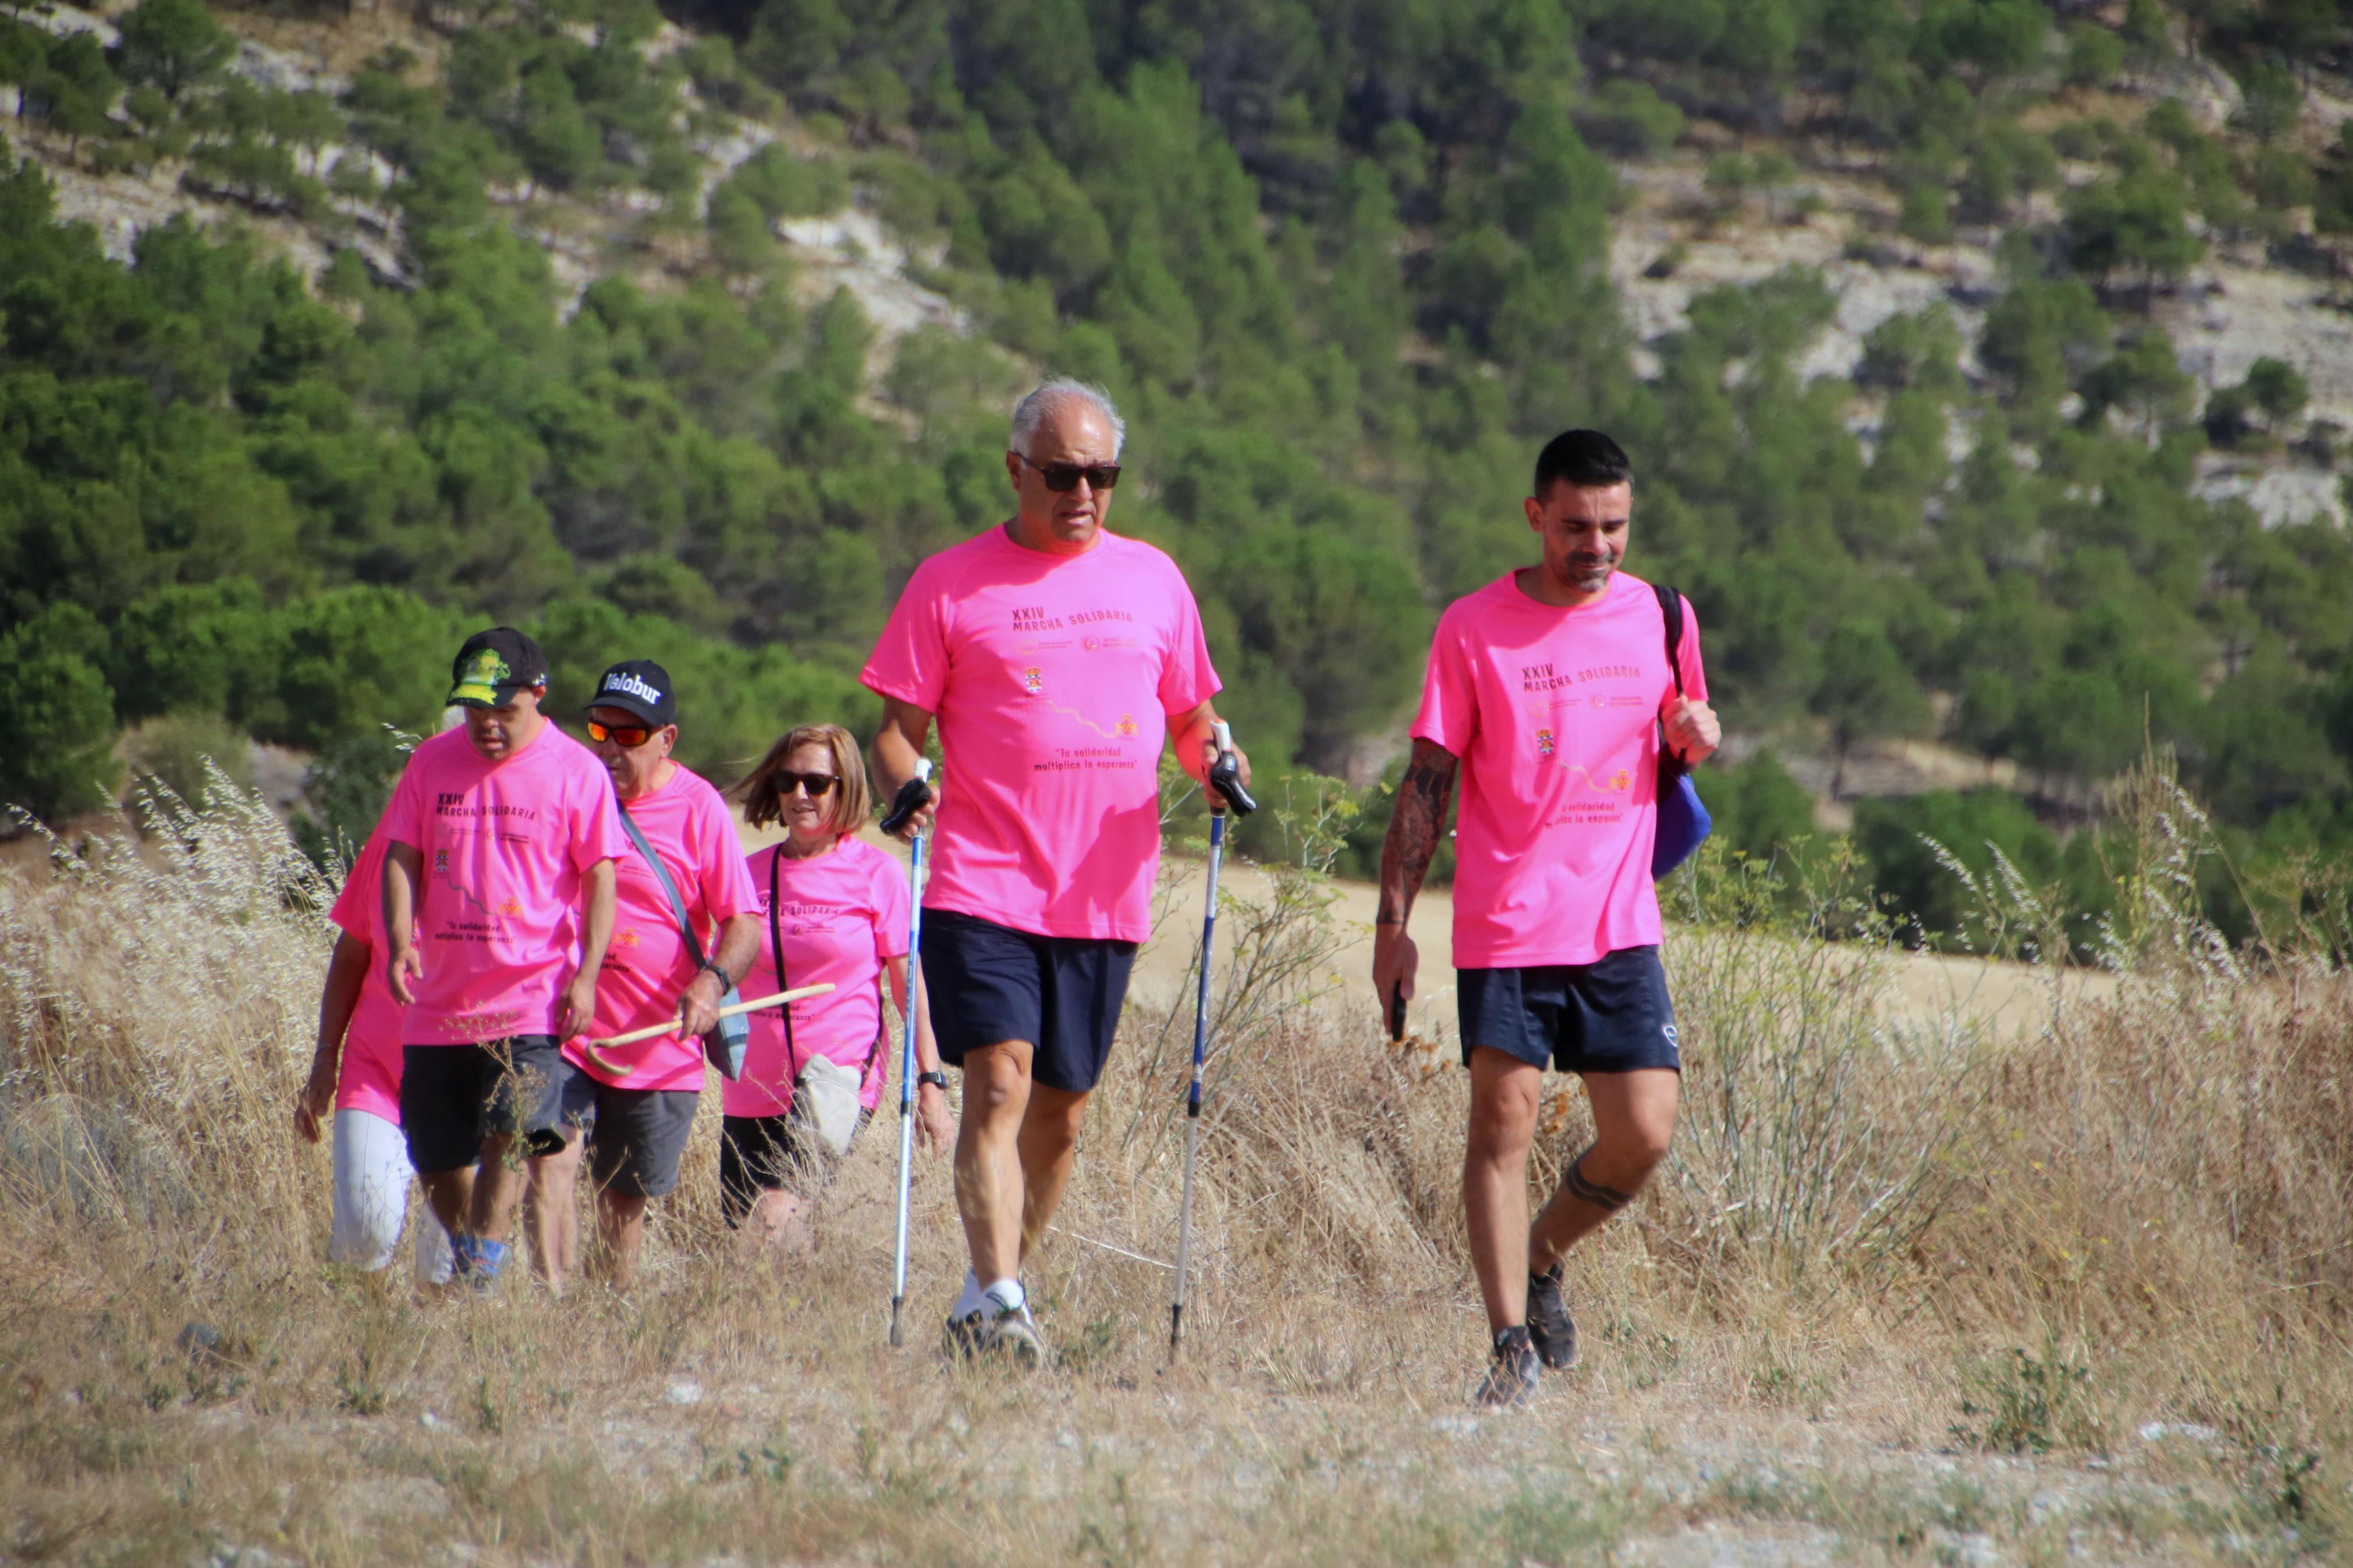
(1683, 821)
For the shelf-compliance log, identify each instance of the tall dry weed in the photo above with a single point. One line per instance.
(2136, 1210)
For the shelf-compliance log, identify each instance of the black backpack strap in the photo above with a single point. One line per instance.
(1671, 606)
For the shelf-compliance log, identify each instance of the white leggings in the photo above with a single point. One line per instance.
(371, 1176)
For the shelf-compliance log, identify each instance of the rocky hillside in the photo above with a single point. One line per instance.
(1985, 364)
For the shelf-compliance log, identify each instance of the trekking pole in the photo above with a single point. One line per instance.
(914, 795)
(655, 1031)
(1225, 791)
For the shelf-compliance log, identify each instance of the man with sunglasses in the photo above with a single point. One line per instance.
(498, 903)
(1057, 658)
(632, 1106)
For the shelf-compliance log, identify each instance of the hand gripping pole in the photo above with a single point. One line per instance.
(1225, 790)
(908, 802)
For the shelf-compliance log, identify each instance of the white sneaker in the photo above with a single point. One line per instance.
(1011, 1335)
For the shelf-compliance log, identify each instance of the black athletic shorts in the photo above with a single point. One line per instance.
(1610, 1016)
(772, 1153)
(989, 984)
(452, 1097)
(634, 1135)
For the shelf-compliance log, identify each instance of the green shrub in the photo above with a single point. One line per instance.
(191, 755)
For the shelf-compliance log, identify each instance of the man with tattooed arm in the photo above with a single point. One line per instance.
(1549, 695)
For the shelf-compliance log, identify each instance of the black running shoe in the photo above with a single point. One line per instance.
(961, 1340)
(1550, 1328)
(1012, 1337)
(1511, 1381)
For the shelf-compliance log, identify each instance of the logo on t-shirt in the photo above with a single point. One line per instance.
(1033, 681)
(1543, 742)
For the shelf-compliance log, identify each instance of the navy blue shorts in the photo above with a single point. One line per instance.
(989, 984)
(1609, 1016)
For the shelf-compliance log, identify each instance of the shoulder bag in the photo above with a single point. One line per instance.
(825, 1092)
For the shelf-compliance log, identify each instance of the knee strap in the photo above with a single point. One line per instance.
(1609, 1200)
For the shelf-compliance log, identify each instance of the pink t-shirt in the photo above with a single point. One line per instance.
(1053, 677)
(648, 963)
(498, 921)
(367, 1078)
(1555, 714)
(842, 915)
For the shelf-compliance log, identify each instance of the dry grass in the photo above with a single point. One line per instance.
(1905, 1294)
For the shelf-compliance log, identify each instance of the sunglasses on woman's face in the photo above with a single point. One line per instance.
(816, 785)
(1060, 476)
(629, 735)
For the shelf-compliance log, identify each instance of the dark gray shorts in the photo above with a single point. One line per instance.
(634, 1135)
(452, 1097)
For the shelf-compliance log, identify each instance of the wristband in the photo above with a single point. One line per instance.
(711, 966)
(938, 1080)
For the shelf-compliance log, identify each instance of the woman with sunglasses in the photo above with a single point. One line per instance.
(839, 908)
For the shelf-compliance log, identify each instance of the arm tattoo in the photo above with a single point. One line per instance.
(1416, 822)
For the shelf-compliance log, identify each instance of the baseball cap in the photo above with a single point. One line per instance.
(492, 667)
(637, 686)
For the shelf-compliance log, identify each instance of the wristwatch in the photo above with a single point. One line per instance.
(938, 1080)
(711, 966)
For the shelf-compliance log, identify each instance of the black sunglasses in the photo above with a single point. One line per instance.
(818, 785)
(630, 735)
(1061, 476)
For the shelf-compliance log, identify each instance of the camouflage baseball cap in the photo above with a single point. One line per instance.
(492, 667)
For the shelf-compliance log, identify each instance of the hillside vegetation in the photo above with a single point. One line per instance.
(1344, 263)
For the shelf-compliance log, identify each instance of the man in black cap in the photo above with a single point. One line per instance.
(498, 906)
(683, 872)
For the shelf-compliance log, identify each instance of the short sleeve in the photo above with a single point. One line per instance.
(910, 661)
(1187, 679)
(597, 831)
(720, 865)
(1687, 656)
(405, 821)
(891, 909)
(360, 903)
(1450, 697)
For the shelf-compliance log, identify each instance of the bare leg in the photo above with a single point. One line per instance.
(1504, 1091)
(1049, 1141)
(551, 1214)
(498, 1191)
(777, 1218)
(450, 1196)
(621, 1227)
(1633, 1119)
(989, 1156)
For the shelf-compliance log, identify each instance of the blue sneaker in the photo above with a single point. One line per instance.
(479, 1262)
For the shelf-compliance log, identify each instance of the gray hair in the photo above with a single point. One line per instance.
(1052, 393)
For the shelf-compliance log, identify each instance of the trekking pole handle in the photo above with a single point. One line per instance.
(1225, 772)
(912, 796)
